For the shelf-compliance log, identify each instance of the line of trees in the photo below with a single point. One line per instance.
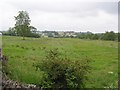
(112, 36)
(13, 32)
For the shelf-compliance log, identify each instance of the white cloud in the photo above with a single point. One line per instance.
(63, 14)
(99, 23)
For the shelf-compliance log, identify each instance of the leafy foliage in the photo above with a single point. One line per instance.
(61, 72)
(109, 36)
(95, 37)
(22, 25)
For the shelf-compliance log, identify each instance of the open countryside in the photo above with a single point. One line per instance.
(59, 48)
(23, 53)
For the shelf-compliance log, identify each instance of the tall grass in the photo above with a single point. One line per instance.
(23, 53)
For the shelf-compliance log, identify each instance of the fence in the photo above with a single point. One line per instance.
(0, 61)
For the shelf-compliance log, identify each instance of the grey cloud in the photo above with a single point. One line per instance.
(63, 14)
(110, 7)
(75, 8)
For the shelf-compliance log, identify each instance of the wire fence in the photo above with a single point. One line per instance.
(0, 61)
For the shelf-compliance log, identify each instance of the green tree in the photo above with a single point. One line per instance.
(22, 24)
(32, 31)
(11, 31)
(109, 36)
(95, 37)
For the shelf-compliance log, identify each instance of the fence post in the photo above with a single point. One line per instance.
(0, 61)
(0, 53)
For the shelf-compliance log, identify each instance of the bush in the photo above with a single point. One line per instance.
(60, 72)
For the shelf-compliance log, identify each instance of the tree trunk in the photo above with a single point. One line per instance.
(23, 37)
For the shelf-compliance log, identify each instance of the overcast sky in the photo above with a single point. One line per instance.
(73, 15)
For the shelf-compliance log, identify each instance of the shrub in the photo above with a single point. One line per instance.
(61, 72)
(17, 45)
(33, 49)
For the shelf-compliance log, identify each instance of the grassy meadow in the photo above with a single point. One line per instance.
(23, 53)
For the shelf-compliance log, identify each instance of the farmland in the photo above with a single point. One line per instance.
(23, 53)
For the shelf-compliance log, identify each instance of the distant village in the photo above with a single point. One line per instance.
(111, 35)
(57, 34)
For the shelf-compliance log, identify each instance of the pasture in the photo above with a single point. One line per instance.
(23, 53)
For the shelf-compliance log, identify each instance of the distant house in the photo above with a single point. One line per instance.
(44, 35)
(70, 34)
(74, 35)
(61, 33)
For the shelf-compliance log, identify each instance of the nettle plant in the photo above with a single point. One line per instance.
(61, 72)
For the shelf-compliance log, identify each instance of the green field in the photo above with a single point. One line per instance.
(23, 53)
